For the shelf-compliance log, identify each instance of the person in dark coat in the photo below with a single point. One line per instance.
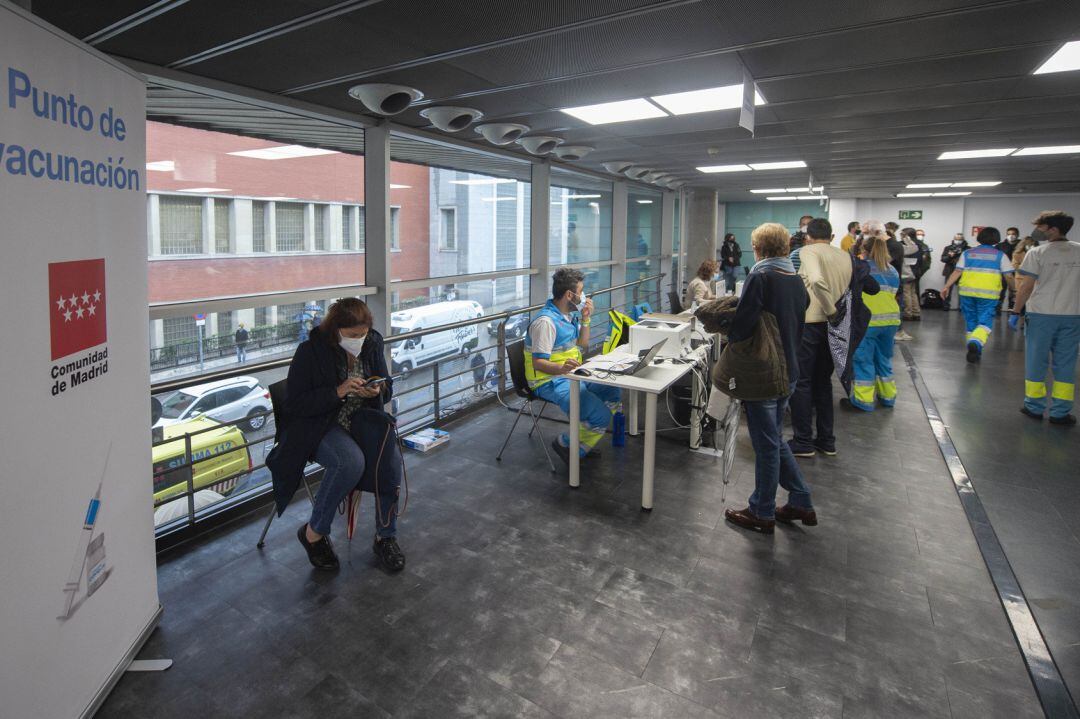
(949, 257)
(333, 375)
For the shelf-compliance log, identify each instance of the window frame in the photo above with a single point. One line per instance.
(445, 246)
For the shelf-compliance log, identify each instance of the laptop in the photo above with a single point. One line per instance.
(645, 358)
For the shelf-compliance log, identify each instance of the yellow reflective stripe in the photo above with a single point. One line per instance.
(535, 377)
(882, 303)
(981, 294)
(1063, 390)
(1035, 390)
(864, 394)
(886, 388)
(589, 437)
(980, 334)
(885, 322)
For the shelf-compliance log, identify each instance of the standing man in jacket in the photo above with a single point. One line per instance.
(826, 273)
(949, 257)
(1049, 287)
(240, 339)
(730, 261)
(848, 241)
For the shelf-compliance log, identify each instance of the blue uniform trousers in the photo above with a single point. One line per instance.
(1051, 343)
(872, 364)
(597, 403)
(979, 318)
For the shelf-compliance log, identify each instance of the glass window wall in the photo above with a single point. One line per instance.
(643, 209)
(580, 219)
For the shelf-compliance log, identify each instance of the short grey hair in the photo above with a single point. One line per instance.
(565, 279)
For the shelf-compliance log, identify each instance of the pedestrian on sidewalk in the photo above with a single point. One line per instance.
(240, 339)
(1049, 288)
(980, 273)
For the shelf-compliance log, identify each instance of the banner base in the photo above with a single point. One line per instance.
(122, 667)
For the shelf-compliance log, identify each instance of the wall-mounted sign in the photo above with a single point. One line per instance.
(910, 214)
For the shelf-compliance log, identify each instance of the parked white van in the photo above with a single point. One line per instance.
(410, 354)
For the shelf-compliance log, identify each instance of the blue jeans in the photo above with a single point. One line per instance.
(241, 354)
(731, 274)
(343, 463)
(1051, 341)
(774, 464)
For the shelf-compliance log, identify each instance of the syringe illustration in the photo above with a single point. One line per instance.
(78, 567)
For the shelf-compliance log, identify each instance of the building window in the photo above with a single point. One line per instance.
(346, 227)
(181, 225)
(178, 330)
(362, 227)
(224, 323)
(258, 226)
(221, 225)
(320, 228)
(289, 221)
(261, 316)
(448, 228)
(395, 228)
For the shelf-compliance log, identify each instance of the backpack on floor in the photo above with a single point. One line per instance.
(931, 300)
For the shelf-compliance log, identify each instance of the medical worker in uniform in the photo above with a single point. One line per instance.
(981, 272)
(873, 358)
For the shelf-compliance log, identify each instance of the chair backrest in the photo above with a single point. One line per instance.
(516, 354)
(278, 396)
(676, 302)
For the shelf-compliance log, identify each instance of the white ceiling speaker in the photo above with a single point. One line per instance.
(573, 152)
(451, 119)
(384, 99)
(636, 173)
(617, 167)
(653, 176)
(501, 133)
(540, 144)
(677, 185)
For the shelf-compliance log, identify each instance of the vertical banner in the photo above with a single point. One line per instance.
(749, 96)
(79, 578)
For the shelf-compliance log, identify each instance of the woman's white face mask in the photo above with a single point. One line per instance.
(352, 345)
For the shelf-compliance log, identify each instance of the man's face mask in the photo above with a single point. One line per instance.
(1038, 235)
(579, 304)
(957, 240)
(1010, 237)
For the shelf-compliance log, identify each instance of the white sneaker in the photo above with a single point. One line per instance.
(902, 336)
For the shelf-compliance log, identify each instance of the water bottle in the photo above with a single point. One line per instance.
(618, 430)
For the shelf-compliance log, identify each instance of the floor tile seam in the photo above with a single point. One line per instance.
(1049, 685)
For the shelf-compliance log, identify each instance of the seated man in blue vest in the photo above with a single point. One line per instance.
(553, 347)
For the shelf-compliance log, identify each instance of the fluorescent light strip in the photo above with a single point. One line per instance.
(1058, 150)
(725, 168)
(782, 198)
(161, 166)
(914, 194)
(993, 183)
(728, 97)
(581, 197)
(951, 194)
(283, 152)
(1065, 59)
(812, 197)
(481, 181)
(790, 164)
(620, 111)
(971, 154)
(644, 202)
(928, 185)
(400, 187)
(770, 192)
(205, 190)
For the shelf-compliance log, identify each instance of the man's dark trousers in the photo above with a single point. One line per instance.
(813, 392)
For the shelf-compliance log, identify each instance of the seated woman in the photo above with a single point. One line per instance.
(333, 374)
(698, 290)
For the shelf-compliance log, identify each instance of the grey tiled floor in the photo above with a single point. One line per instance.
(523, 597)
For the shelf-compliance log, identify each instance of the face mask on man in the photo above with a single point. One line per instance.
(802, 228)
(958, 240)
(1010, 238)
(352, 345)
(1038, 235)
(579, 305)
(920, 237)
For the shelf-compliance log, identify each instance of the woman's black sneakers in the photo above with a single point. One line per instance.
(389, 553)
(320, 553)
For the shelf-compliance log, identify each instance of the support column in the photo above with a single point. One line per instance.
(153, 224)
(270, 225)
(377, 223)
(242, 226)
(332, 233)
(208, 245)
(309, 227)
(539, 232)
(620, 197)
(667, 243)
(701, 228)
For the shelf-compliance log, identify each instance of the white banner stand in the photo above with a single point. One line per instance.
(79, 594)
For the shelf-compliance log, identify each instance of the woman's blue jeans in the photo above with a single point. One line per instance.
(774, 464)
(343, 463)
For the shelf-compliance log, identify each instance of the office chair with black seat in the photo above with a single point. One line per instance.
(516, 354)
(281, 420)
(675, 301)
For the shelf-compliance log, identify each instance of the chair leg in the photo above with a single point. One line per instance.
(510, 434)
(273, 511)
(540, 434)
(537, 418)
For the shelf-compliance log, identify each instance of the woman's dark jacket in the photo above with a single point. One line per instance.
(312, 405)
(785, 297)
(730, 255)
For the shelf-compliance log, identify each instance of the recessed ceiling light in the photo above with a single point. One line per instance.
(581, 197)
(770, 192)
(725, 168)
(777, 165)
(914, 194)
(728, 97)
(400, 187)
(283, 152)
(481, 181)
(1058, 150)
(951, 194)
(812, 197)
(781, 198)
(161, 166)
(204, 190)
(644, 202)
(988, 183)
(969, 154)
(1065, 59)
(924, 185)
(620, 111)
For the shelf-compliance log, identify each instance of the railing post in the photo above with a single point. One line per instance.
(501, 353)
(190, 480)
(435, 389)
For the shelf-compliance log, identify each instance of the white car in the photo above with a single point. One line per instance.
(410, 354)
(227, 401)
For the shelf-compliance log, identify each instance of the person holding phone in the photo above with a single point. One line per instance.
(338, 370)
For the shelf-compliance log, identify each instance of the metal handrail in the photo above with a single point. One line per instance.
(171, 385)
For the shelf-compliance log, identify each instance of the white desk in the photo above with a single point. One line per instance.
(652, 381)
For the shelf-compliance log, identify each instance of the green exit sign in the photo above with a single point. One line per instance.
(910, 214)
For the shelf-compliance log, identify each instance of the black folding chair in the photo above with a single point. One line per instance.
(516, 354)
(675, 301)
(281, 420)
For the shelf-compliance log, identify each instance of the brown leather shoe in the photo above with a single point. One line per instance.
(788, 514)
(746, 519)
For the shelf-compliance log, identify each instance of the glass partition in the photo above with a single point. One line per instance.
(580, 219)
(643, 210)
